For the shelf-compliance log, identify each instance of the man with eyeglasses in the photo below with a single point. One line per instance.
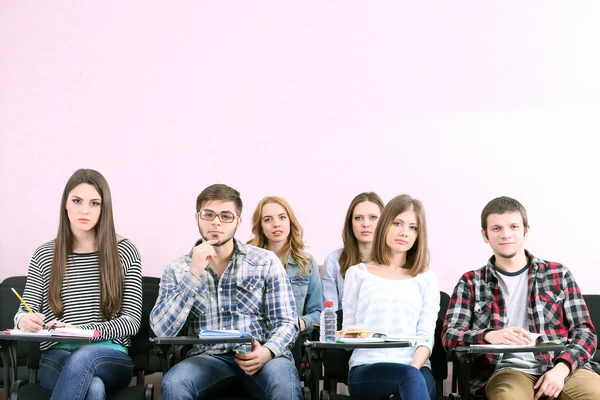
(225, 284)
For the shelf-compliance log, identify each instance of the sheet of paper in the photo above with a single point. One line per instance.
(64, 332)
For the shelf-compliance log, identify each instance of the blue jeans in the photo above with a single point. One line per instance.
(380, 380)
(84, 373)
(209, 376)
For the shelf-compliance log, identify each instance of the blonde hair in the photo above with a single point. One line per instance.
(417, 257)
(294, 245)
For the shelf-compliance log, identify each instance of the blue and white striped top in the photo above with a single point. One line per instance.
(394, 307)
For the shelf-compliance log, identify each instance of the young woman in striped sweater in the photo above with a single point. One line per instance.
(398, 295)
(88, 278)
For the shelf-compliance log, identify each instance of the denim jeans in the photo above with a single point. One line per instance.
(380, 380)
(84, 373)
(208, 376)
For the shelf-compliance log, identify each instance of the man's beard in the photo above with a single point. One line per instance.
(220, 242)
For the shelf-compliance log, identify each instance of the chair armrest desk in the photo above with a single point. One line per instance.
(464, 355)
(8, 346)
(315, 355)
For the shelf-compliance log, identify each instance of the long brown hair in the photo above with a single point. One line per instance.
(111, 271)
(294, 244)
(417, 258)
(350, 255)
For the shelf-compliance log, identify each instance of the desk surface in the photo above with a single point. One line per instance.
(197, 340)
(42, 338)
(350, 346)
(538, 348)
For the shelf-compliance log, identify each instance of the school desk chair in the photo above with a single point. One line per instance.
(335, 361)
(139, 352)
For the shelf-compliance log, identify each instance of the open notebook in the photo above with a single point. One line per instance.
(63, 332)
(534, 336)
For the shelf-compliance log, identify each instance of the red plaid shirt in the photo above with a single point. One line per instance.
(556, 308)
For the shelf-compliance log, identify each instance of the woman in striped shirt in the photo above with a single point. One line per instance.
(86, 278)
(398, 295)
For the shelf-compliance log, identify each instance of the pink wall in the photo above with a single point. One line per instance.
(455, 103)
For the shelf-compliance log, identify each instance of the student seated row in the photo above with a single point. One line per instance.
(90, 278)
(88, 257)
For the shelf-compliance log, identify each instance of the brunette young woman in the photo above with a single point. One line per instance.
(88, 278)
(357, 235)
(398, 295)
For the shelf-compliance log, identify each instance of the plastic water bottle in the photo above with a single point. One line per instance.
(328, 323)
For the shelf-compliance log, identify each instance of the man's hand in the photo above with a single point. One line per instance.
(511, 336)
(302, 325)
(252, 362)
(552, 382)
(31, 322)
(201, 255)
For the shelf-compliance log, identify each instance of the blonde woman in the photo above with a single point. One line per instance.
(276, 228)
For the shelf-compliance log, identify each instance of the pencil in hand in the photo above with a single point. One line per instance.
(22, 301)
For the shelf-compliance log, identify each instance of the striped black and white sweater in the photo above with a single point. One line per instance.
(81, 292)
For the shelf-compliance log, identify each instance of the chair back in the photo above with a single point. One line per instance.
(9, 304)
(593, 304)
(439, 357)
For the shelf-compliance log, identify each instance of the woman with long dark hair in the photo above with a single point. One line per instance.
(88, 278)
(357, 235)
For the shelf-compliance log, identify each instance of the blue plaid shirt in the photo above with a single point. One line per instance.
(253, 294)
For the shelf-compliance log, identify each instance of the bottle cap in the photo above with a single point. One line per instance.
(328, 303)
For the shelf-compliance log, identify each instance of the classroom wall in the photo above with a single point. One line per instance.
(455, 103)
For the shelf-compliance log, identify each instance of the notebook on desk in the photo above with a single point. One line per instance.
(534, 336)
(222, 333)
(60, 332)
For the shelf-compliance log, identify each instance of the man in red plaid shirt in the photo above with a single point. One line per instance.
(512, 300)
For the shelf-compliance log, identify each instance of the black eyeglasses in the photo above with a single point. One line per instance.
(208, 215)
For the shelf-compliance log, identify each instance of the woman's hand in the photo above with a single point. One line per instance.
(355, 327)
(59, 324)
(31, 322)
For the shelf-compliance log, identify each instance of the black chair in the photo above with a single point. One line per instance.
(150, 289)
(9, 304)
(335, 362)
(139, 353)
(593, 304)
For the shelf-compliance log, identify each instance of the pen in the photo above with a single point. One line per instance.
(22, 301)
